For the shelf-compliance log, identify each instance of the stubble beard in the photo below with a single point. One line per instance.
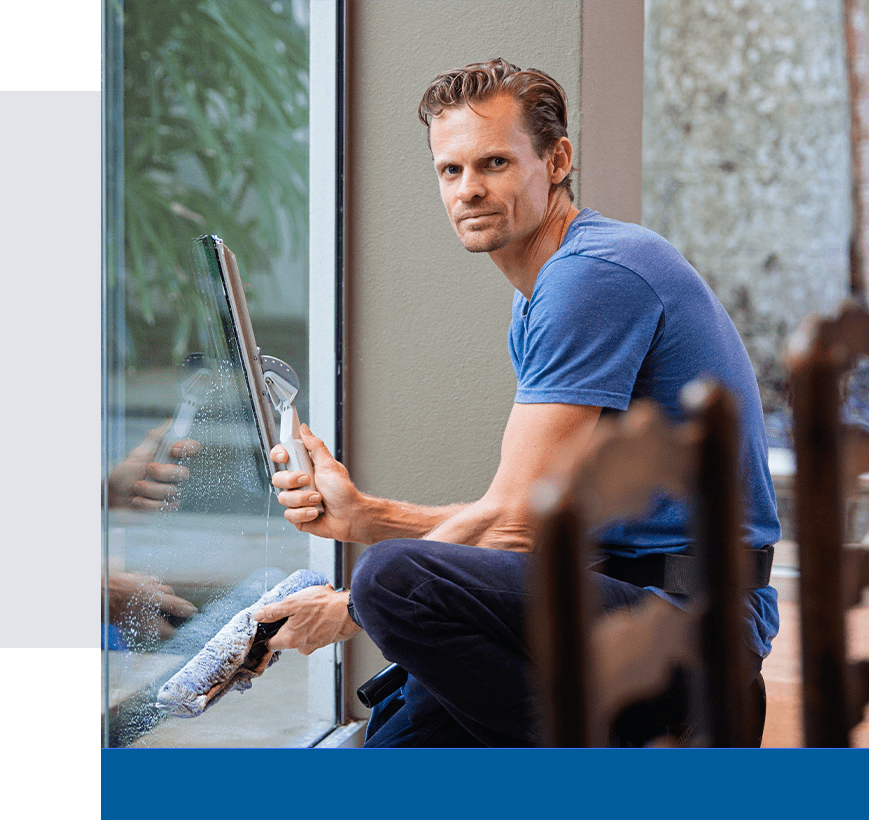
(484, 240)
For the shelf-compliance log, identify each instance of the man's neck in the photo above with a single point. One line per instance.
(520, 262)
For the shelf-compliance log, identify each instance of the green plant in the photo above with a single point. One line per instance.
(215, 141)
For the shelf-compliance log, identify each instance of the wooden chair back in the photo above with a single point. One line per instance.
(592, 665)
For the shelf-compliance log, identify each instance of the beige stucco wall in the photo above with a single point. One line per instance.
(429, 379)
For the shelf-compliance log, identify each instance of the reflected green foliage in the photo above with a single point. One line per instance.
(215, 141)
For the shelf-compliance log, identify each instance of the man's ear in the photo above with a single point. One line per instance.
(560, 160)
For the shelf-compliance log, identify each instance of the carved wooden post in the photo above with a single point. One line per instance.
(560, 629)
(727, 719)
(818, 358)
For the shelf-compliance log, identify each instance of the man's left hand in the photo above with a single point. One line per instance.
(316, 616)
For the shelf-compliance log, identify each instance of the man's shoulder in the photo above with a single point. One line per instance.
(596, 243)
(594, 235)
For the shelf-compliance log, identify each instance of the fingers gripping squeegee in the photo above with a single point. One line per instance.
(233, 657)
(283, 385)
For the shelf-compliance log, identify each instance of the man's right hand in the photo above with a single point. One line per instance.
(334, 490)
(348, 514)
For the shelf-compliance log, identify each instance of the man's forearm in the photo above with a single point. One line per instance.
(488, 524)
(384, 518)
(480, 523)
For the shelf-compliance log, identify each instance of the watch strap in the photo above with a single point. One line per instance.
(351, 610)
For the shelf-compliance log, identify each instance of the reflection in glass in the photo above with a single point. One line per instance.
(191, 531)
(206, 129)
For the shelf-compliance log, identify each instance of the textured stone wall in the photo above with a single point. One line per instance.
(746, 158)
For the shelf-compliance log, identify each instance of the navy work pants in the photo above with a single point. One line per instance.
(452, 617)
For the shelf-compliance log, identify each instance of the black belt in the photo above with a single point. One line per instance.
(676, 573)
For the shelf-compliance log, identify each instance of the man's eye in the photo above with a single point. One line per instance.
(450, 170)
(497, 162)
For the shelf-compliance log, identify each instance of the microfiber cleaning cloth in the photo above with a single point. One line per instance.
(226, 662)
(197, 631)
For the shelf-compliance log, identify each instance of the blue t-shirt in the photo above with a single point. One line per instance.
(618, 314)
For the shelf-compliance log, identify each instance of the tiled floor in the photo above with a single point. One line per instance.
(781, 671)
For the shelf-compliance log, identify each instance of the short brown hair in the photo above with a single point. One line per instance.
(541, 99)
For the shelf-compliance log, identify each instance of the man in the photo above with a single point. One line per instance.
(603, 313)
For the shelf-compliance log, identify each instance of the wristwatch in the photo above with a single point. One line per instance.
(351, 610)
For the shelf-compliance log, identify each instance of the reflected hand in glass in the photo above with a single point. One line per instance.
(140, 483)
(144, 606)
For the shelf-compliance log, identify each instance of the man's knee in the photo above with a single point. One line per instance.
(385, 572)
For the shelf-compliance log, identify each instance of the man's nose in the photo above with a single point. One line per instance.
(470, 186)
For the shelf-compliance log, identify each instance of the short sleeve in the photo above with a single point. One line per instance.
(584, 334)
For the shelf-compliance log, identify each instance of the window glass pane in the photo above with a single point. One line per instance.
(206, 133)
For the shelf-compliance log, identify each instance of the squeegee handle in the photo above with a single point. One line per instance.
(259, 646)
(300, 461)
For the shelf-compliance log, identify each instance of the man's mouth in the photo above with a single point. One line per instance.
(465, 217)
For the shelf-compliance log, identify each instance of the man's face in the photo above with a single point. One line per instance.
(493, 184)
